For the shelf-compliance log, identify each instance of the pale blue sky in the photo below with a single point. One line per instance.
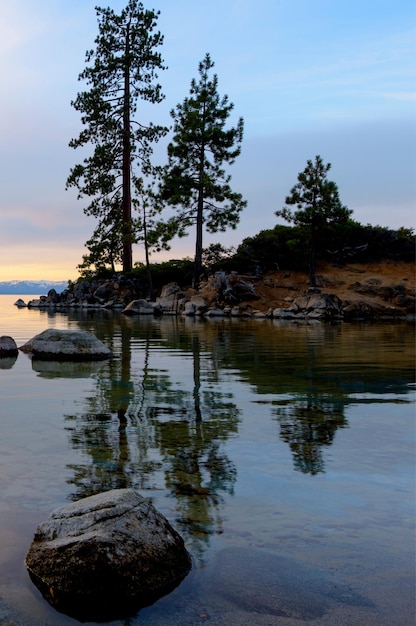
(329, 77)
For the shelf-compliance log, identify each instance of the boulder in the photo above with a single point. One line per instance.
(168, 304)
(53, 296)
(21, 304)
(199, 303)
(285, 314)
(189, 309)
(358, 310)
(214, 312)
(106, 555)
(171, 289)
(8, 346)
(56, 344)
(35, 303)
(138, 307)
(313, 304)
(106, 291)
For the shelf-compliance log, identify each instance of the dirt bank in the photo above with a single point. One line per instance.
(379, 284)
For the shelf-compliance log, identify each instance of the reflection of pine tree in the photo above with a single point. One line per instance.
(307, 425)
(196, 472)
(139, 429)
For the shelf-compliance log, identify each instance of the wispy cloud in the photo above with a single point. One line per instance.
(308, 78)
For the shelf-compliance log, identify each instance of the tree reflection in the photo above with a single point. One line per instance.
(142, 429)
(308, 425)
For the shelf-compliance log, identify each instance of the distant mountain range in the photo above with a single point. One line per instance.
(31, 287)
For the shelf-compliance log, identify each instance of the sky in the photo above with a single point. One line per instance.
(334, 78)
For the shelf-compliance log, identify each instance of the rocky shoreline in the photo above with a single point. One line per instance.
(378, 295)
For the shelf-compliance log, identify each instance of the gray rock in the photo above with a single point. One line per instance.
(168, 305)
(170, 289)
(199, 303)
(105, 556)
(314, 305)
(285, 314)
(8, 346)
(53, 296)
(189, 309)
(58, 344)
(106, 291)
(35, 303)
(215, 312)
(21, 304)
(138, 307)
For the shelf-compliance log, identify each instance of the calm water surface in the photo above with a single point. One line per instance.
(283, 453)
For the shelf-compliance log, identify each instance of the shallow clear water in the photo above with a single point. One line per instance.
(283, 453)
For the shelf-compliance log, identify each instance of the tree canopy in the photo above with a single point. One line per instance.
(194, 181)
(122, 70)
(317, 206)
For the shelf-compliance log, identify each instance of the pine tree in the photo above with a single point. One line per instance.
(195, 182)
(123, 70)
(317, 206)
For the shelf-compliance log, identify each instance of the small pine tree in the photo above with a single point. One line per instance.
(317, 205)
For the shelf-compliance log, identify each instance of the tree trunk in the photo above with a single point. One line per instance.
(196, 353)
(198, 244)
(312, 268)
(146, 251)
(200, 210)
(126, 202)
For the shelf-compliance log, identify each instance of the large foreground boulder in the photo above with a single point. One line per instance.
(70, 345)
(105, 556)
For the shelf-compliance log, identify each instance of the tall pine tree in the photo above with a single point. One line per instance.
(195, 182)
(123, 70)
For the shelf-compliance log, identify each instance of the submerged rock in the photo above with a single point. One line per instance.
(105, 556)
(58, 344)
(269, 584)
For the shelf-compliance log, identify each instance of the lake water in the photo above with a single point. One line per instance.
(283, 453)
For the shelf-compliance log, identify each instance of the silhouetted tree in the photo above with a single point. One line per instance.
(194, 179)
(123, 69)
(317, 205)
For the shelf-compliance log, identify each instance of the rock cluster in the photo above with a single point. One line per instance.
(106, 555)
(232, 295)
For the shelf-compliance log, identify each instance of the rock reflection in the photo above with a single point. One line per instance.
(7, 362)
(65, 369)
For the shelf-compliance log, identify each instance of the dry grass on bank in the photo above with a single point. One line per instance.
(369, 282)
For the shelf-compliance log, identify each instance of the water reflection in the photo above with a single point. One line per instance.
(7, 362)
(308, 425)
(164, 408)
(65, 369)
(142, 429)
